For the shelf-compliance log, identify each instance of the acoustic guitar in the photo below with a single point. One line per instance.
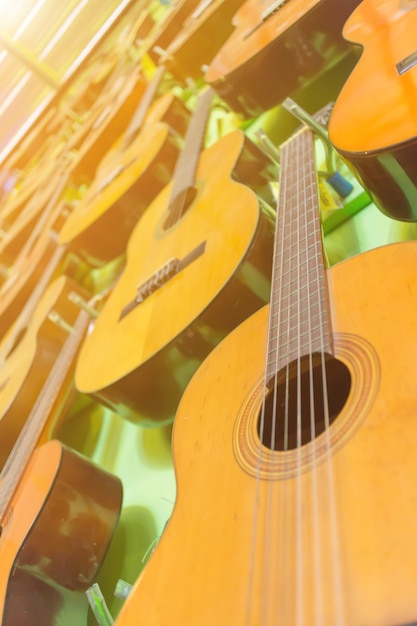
(39, 259)
(135, 169)
(276, 46)
(198, 262)
(373, 123)
(110, 119)
(294, 446)
(27, 355)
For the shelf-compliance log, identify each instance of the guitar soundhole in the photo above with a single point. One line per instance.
(302, 402)
(179, 206)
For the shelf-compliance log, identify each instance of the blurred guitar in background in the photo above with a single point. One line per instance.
(133, 171)
(373, 124)
(275, 48)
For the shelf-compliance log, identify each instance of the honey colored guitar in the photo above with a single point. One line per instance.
(198, 262)
(373, 124)
(276, 46)
(294, 446)
(135, 169)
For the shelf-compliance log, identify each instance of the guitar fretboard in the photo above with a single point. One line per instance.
(185, 170)
(299, 319)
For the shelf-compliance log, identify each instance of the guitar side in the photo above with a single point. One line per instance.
(373, 124)
(235, 541)
(53, 540)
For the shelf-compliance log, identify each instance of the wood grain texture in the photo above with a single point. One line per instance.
(250, 552)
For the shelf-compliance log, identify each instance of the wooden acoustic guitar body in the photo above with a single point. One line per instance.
(264, 61)
(109, 122)
(58, 529)
(373, 124)
(323, 534)
(139, 357)
(29, 361)
(204, 31)
(126, 182)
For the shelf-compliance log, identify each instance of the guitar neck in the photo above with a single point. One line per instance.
(186, 168)
(299, 318)
(28, 438)
(140, 114)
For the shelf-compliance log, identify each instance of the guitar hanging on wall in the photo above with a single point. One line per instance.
(294, 446)
(275, 48)
(198, 263)
(131, 174)
(373, 124)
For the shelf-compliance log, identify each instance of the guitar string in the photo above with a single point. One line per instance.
(268, 553)
(181, 172)
(316, 545)
(339, 616)
(300, 557)
(310, 199)
(278, 246)
(340, 611)
(307, 139)
(257, 488)
(187, 168)
(292, 228)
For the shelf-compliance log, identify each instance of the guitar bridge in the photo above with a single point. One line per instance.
(407, 63)
(161, 277)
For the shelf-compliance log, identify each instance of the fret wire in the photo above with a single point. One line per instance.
(304, 277)
(321, 292)
(300, 258)
(288, 341)
(279, 324)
